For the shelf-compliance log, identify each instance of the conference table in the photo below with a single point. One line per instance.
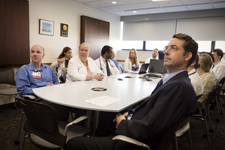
(130, 90)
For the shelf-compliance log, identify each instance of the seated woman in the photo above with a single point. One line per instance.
(82, 67)
(195, 78)
(208, 80)
(131, 63)
(63, 61)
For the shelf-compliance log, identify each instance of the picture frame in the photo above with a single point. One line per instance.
(64, 30)
(46, 27)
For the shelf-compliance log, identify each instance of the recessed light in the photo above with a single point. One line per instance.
(114, 2)
(134, 11)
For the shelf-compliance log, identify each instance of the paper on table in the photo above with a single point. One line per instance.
(103, 100)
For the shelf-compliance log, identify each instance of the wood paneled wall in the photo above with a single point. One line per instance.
(96, 33)
(14, 33)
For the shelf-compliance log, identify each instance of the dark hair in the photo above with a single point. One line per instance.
(219, 52)
(105, 49)
(65, 50)
(190, 45)
(197, 65)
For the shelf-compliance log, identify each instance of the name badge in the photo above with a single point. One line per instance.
(36, 75)
(64, 69)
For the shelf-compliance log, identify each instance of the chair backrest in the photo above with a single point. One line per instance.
(121, 66)
(41, 121)
(222, 81)
(165, 142)
(63, 76)
(7, 76)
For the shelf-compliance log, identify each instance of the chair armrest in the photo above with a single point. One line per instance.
(132, 141)
(81, 118)
(31, 97)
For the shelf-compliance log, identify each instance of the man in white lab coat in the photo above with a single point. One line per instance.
(104, 62)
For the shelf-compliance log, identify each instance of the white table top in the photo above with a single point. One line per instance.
(130, 90)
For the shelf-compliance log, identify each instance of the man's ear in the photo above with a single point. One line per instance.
(188, 56)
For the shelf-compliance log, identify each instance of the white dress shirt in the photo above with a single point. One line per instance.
(218, 70)
(148, 59)
(77, 71)
(101, 63)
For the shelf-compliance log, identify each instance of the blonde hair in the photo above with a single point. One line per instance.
(205, 62)
(133, 61)
(85, 44)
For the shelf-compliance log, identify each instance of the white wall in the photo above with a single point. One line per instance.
(68, 12)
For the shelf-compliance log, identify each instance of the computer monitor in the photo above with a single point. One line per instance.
(156, 66)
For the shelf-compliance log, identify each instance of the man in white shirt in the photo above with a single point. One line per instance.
(154, 55)
(104, 62)
(218, 67)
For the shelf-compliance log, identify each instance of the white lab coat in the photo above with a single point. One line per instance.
(128, 66)
(60, 66)
(77, 71)
(100, 62)
(196, 82)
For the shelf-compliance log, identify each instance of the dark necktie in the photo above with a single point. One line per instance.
(158, 85)
(213, 66)
(107, 68)
(131, 111)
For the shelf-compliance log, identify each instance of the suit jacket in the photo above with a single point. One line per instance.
(167, 104)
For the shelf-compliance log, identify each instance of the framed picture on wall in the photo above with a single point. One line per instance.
(64, 30)
(46, 27)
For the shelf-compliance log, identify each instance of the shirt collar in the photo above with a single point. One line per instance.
(31, 66)
(217, 63)
(170, 75)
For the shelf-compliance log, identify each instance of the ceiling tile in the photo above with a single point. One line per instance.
(96, 4)
(175, 9)
(188, 2)
(83, 1)
(219, 5)
(200, 7)
(218, 1)
(168, 3)
(155, 10)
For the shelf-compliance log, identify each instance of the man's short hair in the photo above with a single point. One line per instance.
(105, 49)
(190, 45)
(219, 52)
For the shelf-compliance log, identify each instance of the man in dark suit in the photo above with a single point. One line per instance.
(172, 99)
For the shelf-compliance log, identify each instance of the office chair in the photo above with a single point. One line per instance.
(165, 141)
(44, 129)
(217, 91)
(62, 78)
(7, 77)
(204, 116)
